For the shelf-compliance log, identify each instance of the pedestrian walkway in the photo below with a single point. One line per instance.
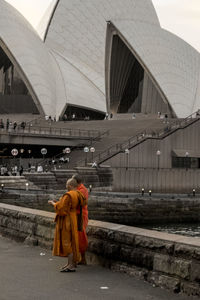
(31, 273)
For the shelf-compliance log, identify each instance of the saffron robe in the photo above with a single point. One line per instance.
(66, 231)
(82, 235)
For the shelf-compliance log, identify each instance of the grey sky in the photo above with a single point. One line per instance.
(181, 17)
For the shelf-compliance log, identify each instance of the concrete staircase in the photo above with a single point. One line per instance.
(16, 182)
(42, 180)
(119, 131)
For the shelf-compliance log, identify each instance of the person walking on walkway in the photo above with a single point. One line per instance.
(66, 242)
(82, 235)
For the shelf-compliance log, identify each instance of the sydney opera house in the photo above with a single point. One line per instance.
(93, 57)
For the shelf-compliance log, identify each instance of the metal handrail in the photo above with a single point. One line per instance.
(134, 140)
(61, 154)
(38, 130)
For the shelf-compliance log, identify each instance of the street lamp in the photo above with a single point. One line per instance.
(29, 163)
(142, 191)
(43, 152)
(158, 153)
(86, 150)
(186, 160)
(92, 150)
(21, 153)
(127, 151)
(14, 153)
(67, 150)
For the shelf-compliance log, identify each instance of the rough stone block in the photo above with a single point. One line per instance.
(137, 257)
(129, 269)
(45, 232)
(189, 288)
(31, 241)
(184, 250)
(195, 272)
(164, 281)
(154, 244)
(172, 266)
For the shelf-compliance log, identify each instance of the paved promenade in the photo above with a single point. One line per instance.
(31, 273)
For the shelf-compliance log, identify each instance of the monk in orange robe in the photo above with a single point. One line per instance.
(66, 242)
(82, 235)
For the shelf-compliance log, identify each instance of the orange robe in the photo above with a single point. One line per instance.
(82, 235)
(66, 231)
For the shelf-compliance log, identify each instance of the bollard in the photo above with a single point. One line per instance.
(27, 186)
(142, 192)
(2, 188)
(90, 188)
(149, 193)
(193, 192)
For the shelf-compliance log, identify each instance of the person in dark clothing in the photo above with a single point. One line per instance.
(14, 125)
(7, 124)
(21, 170)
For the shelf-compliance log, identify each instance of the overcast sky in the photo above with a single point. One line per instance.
(181, 17)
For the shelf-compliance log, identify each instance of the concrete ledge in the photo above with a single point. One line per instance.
(167, 260)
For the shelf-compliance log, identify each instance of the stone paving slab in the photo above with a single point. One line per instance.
(31, 273)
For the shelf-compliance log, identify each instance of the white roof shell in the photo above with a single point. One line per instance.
(30, 55)
(78, 32)
(69, 68)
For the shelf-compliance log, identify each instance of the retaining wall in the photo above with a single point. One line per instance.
(132, 210)
(136, 210)
(166, 260)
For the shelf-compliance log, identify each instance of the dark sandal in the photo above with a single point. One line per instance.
(64, 267)
(67, 270)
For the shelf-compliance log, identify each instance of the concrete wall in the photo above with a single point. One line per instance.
(166, 260)
(176, 181)
(138, 210)
(142, 168)
(144, 155)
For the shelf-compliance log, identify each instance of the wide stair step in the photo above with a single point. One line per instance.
(17, 182)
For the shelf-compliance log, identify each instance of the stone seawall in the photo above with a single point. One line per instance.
(166, 260)
(131, 210)
(137, 210)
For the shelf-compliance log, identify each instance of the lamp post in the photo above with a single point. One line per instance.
(44, 152)
(158, 153)
(29, 163)
(14, 153)
(86, 150)
(186, 159)
(67, 151)
(127, 151)
(21, 153)
(92, 150)
(142, 191)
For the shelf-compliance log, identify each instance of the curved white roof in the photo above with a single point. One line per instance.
(70, 67)
(173, 64)
(78, 32)
(31, 56)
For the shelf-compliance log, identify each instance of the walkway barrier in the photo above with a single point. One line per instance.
(166, 260)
